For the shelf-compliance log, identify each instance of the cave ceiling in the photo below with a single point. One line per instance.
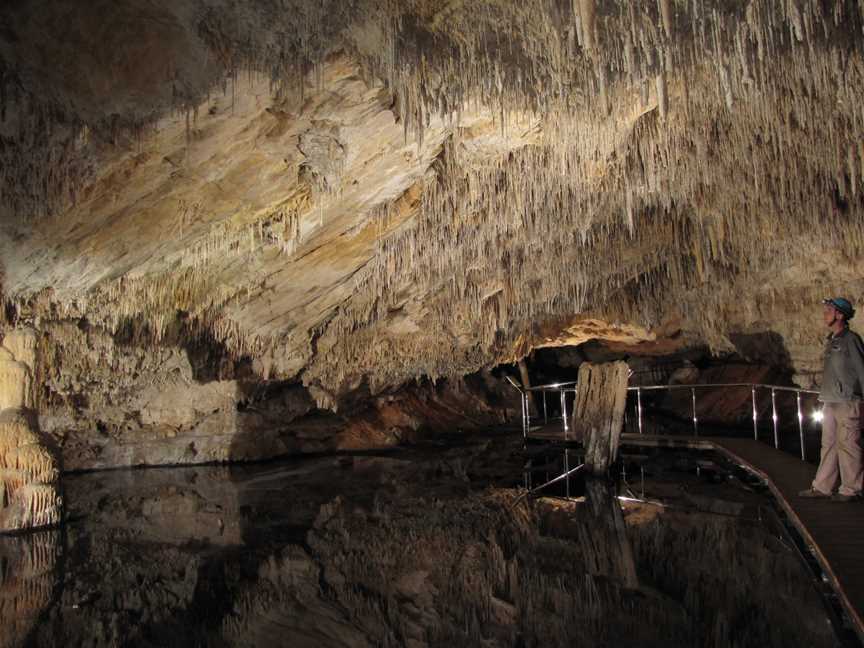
(360, 192)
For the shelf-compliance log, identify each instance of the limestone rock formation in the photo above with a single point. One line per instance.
(351, 195)
(28, 469)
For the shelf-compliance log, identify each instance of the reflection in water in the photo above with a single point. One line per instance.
(27, 565)
(604, 538)
(412, 549)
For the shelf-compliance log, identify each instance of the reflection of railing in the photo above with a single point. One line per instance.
(563, 389)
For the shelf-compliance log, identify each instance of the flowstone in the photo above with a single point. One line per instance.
(29, 476)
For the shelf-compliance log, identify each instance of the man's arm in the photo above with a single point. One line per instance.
(856, 356)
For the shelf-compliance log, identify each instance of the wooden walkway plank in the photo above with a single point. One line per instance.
(834, 530)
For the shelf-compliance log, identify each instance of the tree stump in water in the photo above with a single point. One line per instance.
(598, 413)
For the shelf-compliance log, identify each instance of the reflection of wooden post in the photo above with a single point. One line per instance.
(598, 413)
(606, 544)
(526, 383)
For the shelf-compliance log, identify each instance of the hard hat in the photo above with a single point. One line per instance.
(842, 305)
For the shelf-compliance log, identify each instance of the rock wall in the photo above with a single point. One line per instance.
(107, 401)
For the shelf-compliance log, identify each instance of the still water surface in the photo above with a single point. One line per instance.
(425, 546)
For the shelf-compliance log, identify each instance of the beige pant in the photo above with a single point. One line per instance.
(841, 449)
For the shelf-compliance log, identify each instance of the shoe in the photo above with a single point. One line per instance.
(812, 492)
(837, 497)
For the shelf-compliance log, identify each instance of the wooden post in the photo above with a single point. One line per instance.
(526, 384)
(598, 413)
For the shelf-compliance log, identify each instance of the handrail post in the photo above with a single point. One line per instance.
(545, 414)
(800, 426)
(695, 420)
(567, 472)
(564, 412)
(755, 414)
(774, 417)
(639, 407)
(525, 421)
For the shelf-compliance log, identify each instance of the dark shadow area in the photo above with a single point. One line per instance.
(208, 357)
(766, 348)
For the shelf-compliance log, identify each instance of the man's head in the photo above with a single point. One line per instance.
(837, 309)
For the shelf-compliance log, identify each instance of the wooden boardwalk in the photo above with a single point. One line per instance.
(833, 530)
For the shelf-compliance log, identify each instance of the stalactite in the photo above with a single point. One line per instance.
(465, 214)
(662, 95)
(497, 244)
(588, 21)
(667, 16)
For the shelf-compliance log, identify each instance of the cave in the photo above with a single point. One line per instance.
(293, 289)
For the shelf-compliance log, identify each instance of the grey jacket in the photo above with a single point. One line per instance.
(843, 371)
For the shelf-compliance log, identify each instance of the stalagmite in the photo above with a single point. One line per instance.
(588, 18)
(15, 384)
(28, 470)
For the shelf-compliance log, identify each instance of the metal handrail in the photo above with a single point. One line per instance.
(714, 385)
(565, 387)
(753, 387)
(551, 386)
(567, 472)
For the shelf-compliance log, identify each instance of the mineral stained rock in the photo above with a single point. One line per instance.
(351, 195)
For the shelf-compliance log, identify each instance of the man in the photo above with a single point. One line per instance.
(841, 393)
